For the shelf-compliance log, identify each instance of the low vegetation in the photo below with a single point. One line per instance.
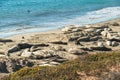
(95, 65)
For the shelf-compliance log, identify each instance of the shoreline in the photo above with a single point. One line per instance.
(27, 35)
(51, 48)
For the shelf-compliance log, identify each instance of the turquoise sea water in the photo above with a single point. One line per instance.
(22, 16)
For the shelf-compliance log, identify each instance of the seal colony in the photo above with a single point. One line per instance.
(55, 47)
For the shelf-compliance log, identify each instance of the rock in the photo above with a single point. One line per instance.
(76, 51)
(101, 48)
(114, 43)
(27, 54)
(84, 39)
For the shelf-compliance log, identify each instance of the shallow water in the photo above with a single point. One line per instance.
(22, 16)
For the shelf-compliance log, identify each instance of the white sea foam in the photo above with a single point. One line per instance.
(88, 18)
(97, 16)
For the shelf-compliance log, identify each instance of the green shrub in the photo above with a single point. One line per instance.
(89, 64)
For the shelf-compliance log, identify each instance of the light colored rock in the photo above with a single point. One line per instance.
(65, 29)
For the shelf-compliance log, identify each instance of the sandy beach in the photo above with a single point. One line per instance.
(51, 48)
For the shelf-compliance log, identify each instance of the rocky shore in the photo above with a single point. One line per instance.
(55, 47)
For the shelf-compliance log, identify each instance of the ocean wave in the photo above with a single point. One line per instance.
(98, 16)
(52, 23)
